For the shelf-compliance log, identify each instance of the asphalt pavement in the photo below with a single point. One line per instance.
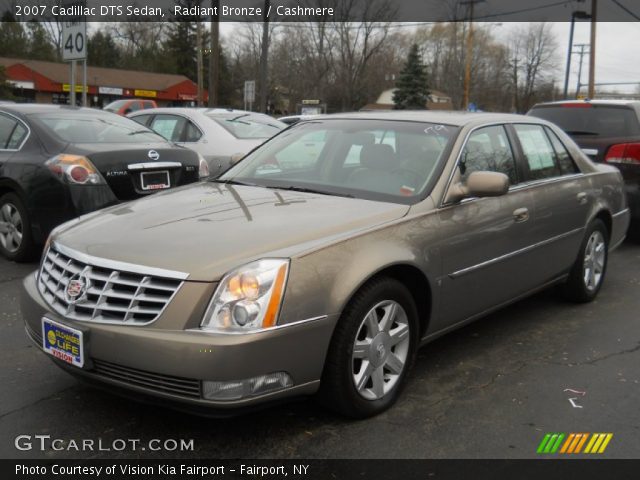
(490, 390)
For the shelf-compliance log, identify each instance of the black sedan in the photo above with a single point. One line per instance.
(58, 162)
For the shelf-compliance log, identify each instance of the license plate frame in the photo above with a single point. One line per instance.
(162, 184)
(58, 341)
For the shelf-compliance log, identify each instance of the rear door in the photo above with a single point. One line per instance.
(561, 196)
(485, 251)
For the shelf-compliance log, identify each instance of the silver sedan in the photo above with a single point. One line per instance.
(222, 136)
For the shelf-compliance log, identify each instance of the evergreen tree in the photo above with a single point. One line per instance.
(40, 48)
(412, 87)
(103, 51)
(6, 90)
(14, 41)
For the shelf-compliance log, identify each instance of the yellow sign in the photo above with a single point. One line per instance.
(145, 93)
(67, 88)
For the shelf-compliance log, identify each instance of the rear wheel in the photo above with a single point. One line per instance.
(371, 351)
(588, 272)
(16, 242)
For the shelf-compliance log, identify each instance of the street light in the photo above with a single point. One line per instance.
(582, 16)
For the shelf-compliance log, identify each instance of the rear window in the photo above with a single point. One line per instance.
(594, 120)
(246, 125)
(85, 128)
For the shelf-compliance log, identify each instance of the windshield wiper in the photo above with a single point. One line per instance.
(235, 182)
(239, 116)
(580, 132)
(138, 132)
(294, 188)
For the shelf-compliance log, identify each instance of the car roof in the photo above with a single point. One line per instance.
(190, 110)
(31, 108)
(618, 101)
(455, 118)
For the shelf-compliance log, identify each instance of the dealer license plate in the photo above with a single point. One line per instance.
(63, 342)
(155, 180)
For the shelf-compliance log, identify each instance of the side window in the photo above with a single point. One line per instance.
(192, 133)
(169, 126)
(488, 149)
(6, 129)
(538, 152)
(141, 119)
(17, 137)
(565, 162)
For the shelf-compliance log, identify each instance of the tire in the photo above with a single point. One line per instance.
(588, 272)
(378, 360)
(16, 239)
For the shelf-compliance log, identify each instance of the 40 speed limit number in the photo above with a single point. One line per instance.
(74, 40)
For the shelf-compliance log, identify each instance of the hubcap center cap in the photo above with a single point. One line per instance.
(379, 349)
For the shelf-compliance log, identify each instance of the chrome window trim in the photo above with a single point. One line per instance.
(118, 265)
(146, 165)
(621, 212)
(251, 332)
(506, 256)
(25, 138)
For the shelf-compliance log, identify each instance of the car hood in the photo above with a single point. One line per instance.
(209, 228)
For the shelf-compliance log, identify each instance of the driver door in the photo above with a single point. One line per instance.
(485, 244)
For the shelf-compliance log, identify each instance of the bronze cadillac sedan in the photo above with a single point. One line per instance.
(324, 259)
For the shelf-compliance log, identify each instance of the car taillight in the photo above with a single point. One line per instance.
(203, 168)
(74, 169)
(623, 153)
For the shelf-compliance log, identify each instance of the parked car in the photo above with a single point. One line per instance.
(127, 106)
(59, 162)
(221, 136)
(608, 131)
(327, 276)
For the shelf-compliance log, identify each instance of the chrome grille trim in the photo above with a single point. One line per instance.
(186, 387)
(113, 296)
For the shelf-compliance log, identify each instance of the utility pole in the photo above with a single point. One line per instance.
(264, 54)
(199, 61)
(592, 49)
(582, 53)
(469, 53)
(214, 59)
(581, 15)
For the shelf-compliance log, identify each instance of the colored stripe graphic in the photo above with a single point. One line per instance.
(573, 443)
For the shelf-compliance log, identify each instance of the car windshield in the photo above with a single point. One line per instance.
(591, 120)
(248, 125)
(115, 106)
(95, 128)
(395, 161)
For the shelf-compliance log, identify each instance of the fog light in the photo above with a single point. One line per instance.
(250, 387)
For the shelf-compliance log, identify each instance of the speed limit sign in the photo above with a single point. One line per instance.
(74, 40)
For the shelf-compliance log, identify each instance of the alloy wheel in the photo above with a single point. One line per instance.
(380, 350)
(594, 260)
(11, 227)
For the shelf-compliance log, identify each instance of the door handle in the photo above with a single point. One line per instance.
(582, 198)
(521, 215)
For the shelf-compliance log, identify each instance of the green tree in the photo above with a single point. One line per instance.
(180, 44)
(14, 41)
(5, 89)
(103, 51)
(412, 87)
(40, 47)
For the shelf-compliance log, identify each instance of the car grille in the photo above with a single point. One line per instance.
(186, 387)
(110, 296)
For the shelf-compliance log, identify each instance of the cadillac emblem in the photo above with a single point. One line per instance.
(76, 290)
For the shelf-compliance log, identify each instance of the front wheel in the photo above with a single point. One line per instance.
(371, 351)
(588, 272)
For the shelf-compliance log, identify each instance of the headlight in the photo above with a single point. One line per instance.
(74, 169)
(203, 169)
(249, 298)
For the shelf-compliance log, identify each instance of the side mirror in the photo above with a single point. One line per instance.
(480, 184)
(236, 157)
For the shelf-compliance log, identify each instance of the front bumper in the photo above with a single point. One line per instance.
(149, 362)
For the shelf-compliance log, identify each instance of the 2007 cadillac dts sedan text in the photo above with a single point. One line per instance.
(324, 259)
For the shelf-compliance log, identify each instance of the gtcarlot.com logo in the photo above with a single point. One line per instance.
(573, 443)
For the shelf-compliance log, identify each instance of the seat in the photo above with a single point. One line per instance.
(377, 161)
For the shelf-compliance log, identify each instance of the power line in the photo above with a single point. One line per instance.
(524, 10)
(626, 9)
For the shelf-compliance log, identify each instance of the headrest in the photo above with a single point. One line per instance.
(378, 156)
